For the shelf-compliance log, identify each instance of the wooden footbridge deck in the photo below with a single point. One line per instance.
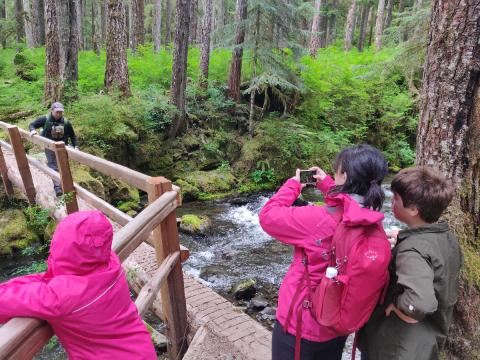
(200, 323)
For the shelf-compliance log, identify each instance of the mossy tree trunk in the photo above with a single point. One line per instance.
(379, 24)
(314, 34)
(206, 34)
(332, 23)
(448, 139)
(53, 79)
(116, 70)
(38, 15)
(71, 65)
(363, 25)
(236, 63)
(350, 26)
(179, 68)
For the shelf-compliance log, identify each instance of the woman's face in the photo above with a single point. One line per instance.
(340, 177)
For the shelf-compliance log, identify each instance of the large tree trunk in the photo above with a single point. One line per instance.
(179, 69)
(222, 13)
(323, 24)
(103, 20)
(38, 14)
(128, 24)
(237, 55)
(157, 26)
(389, 14)
(53, 79)
(20, 19)
(256, 35)
(116, 70)
(80, 15)
(379, 24)
(448, 139)
(371, 21)
(63, 19)
(314, 35)
(363, 26)
(206, 34)
(3, 15)
(71, 65)
(138, 22)
(168, 22)
(349, 27)
(332, 23)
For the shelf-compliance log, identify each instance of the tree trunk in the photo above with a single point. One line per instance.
(379, 25)
(128, 24)
(3, 15)
(389, 14)
(193, 22)
(63, 20)
(138, 23)
(237, 55)
(447, 139)
(349, 27)
(38, 15)
(223, 13)
(332, 23)
(157, 26)
(29, 24)
(53, 79)
(116, 70)
(168, 23)
(20, 18)
(206, 33)
(103, 22)
(95, 46)
(372, 24)
(363, 26)
(314, 35)
(179, 69)
(323, 24)
(401, 6)
(251, 117)
(80, 15)
(71, 65)
(419, 5)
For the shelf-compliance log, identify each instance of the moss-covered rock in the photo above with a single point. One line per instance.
(215, 181)
(188, 191)
(14, 232)
(193, 224)
(244, 290)
(82, 176)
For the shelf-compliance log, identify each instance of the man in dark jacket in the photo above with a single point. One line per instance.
(413, 322)
(57, 128)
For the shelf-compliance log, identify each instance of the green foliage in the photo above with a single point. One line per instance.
(262, 176)
(37, 219)
(35, 267)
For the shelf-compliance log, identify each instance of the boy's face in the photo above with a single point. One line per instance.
(402, 213)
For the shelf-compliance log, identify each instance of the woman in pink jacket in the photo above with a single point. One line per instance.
(83, 295)
(359, 172)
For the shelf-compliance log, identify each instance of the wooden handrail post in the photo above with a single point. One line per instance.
(22, 162)
(173, 291)
(66, 178)
(4, 172)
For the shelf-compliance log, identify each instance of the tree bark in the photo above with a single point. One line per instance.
(53, 80)
(323, 24)
(157, 26)
(193, 22)
(372, 24)
(71, 64)
(20, 18)
(389, 14)
(349, 27)
(80, 15)
(448, 139)
(38, 14)
(379, 25)
(251, 117)
(179, 69)
(138, 17)
(237, 55)
(128, 24)
(3, 15)
(332, 23)
(63, 20)
(103, 20)
(116, 70)
(206, 34)
(363, 26)
(29, 24)
(223, 13)
(168, 23)
(314, 35)
(96, 48)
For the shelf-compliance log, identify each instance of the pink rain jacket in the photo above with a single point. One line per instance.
(311, 228)
(83, 295)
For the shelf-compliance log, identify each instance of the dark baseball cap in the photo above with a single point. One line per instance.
(56, 106)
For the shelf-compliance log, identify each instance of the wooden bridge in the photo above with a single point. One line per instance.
(200, 323)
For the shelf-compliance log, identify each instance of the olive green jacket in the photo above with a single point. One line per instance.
(423, 284)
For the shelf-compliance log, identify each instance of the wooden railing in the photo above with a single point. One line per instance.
(22, 338)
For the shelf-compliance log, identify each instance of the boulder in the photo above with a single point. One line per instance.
(244, 290)
(193, 224)
(258, 303)
(14, 232)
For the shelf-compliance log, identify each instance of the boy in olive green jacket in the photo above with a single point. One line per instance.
(413, 322)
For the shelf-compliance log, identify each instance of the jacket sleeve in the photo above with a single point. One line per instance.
(72, 136)
(31, 296)
(288, 224)
(325, 185)
(38, 123)
(415, 277)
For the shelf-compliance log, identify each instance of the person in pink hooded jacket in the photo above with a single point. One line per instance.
(359, 172)
(83, 295)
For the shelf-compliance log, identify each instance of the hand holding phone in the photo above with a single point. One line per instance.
(307, 177)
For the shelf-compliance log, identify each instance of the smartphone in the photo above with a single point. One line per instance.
(306, 177)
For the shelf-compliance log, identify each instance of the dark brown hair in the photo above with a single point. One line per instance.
(426, 189)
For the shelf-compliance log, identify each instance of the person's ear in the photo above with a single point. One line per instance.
(413, 211)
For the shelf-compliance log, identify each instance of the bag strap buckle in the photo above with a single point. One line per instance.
(307, 304)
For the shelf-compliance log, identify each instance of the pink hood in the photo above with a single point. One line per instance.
(83, 295)
(353, 213)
